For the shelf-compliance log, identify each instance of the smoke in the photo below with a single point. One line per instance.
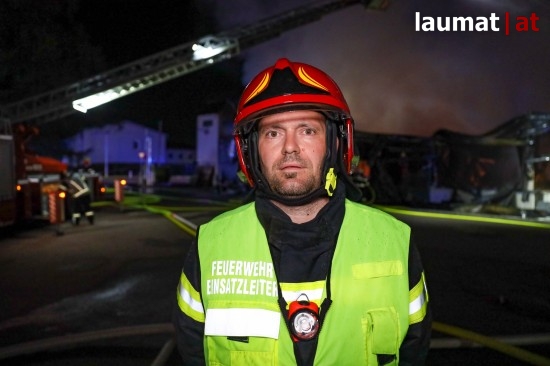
(397, 80)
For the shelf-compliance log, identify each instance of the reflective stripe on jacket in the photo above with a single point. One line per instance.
(78, 186)
(243, 324)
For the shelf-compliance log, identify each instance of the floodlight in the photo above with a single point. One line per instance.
(95, 100)
(208, 47)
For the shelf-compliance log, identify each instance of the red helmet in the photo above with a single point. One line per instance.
(288, 86)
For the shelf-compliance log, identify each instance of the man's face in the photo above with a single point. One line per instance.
(292, 147)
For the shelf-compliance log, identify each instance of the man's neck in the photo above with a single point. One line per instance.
(303, 213)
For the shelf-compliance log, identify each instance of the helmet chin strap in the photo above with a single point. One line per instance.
(264, 191)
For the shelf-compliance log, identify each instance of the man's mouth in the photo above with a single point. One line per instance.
(287, 167)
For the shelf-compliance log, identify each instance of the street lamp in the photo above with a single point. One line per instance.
(141, 156)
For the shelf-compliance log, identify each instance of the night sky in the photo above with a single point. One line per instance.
(396, 80)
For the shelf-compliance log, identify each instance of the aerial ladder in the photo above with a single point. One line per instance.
(167, 65)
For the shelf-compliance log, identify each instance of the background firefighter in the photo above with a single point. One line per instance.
(79, 198)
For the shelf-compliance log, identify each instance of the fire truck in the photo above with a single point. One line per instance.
(7, 180)
(30, 178)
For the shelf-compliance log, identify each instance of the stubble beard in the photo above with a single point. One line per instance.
(280, 184)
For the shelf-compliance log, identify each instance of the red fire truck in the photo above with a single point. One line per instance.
(27, 179)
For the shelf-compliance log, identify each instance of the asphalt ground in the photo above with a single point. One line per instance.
(102, 294)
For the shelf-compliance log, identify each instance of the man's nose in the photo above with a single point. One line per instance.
(291, 144)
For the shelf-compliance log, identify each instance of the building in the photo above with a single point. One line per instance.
(180, 156)
(216, 155)
(125, 148)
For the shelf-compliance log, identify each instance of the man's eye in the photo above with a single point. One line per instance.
(309, 131)
(271, 134)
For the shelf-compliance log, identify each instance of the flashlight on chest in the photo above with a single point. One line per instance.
(303, 319)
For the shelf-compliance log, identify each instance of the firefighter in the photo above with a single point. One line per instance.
(303, 274)
(80, 197)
